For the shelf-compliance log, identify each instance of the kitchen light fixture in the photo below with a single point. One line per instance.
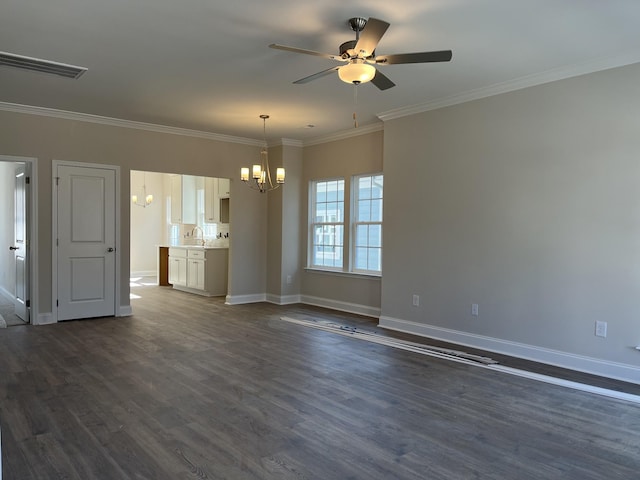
(261, 174)
(147, 198)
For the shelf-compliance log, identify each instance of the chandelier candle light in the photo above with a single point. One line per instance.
(147, 198)
(261, 174)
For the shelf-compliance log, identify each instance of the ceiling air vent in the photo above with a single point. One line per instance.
(39, 65)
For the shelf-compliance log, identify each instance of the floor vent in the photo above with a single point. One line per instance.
(39, 65)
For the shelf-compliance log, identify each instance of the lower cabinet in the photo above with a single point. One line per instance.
(202, 271)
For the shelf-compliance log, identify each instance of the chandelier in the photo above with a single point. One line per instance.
(147, 198)
(261, 174)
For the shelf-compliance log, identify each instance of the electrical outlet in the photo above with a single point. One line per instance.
(601, 329)
(416, 300)
(289, 280)
(474, 309)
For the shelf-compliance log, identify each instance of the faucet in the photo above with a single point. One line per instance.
(193, 234)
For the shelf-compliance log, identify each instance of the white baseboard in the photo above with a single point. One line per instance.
(125, 311)
(242, 299)
(356, 308)
(283, 299)
(45, 319)
(144, 273)
(613, 370)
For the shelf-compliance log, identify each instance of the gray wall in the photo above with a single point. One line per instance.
(48, 138)
(343, 158)
(527, 204)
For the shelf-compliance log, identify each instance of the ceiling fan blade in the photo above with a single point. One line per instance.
(381, 81)
(306, 52)
(317, 75)
(370, 36)
(418, 57)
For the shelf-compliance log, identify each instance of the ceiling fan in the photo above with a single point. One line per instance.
(360, 57)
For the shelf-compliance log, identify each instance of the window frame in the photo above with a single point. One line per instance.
(355, 223)
(313, 224)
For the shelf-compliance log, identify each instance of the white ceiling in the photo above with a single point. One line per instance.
(205, 65)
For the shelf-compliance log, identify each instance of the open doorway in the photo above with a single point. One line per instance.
(15, 246)
(170, 210)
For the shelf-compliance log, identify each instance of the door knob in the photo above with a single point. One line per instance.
(110, 249)
(14, 248)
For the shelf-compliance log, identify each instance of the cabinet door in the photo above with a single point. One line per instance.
(195, 274)
(224, 186)
(183, 199)
(176, 199)
(177, 271)
(211, 200)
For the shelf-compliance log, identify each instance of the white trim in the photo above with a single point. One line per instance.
(143, 273)
(117, 122)
(242, 299)
(282, 299)
(124, 311)
(342, 135)
(348, 307)
(45, 318)
(526, 81)
(287, 142)
(613, 370)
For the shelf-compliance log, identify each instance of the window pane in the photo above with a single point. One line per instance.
(364, 210)
(367, 241)
(360, 262)
(376, 210)
(364, 187)
(375, 236)
(374, 259)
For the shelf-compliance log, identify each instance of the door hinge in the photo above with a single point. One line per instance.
(27, 180)
(28, 303)
(57, 242)
(57, 181)
(57, 303)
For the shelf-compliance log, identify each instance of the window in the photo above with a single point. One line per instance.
(367, 223)
(327, 224)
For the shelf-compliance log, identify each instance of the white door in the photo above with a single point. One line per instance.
(20, 245)
(86, 259)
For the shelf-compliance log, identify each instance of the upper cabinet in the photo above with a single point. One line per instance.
(216, 200)
(224, 185)
(183, 199)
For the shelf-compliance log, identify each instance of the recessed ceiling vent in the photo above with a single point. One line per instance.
(39, 65)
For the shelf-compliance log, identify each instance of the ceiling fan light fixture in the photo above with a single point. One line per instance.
(357, 72)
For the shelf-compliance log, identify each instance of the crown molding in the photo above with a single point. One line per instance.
(287, 142)
(547, 76)
(117, 122)
(352, 132)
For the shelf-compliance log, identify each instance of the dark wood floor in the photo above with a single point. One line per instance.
(188, 388)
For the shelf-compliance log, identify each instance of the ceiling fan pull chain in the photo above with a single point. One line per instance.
(355, 105)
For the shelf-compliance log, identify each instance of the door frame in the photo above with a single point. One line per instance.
(118, 311)
(31, 197)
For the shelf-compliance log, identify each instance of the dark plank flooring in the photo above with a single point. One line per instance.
(188, 388)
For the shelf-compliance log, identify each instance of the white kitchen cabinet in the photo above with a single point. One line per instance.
(224, 187)
(202, 271)
(178, 266)
(183, 199)
(216, 209)
(211, 202)
(196, 269)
